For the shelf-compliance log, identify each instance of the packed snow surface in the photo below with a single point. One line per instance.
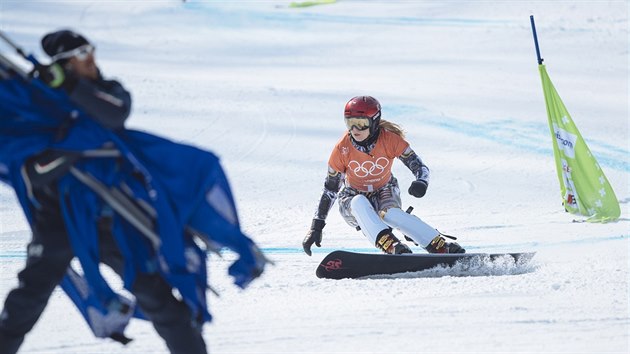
(263, 86)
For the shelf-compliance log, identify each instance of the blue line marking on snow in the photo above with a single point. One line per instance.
(316, 250)
(532, 137)
(14, 254)
(243, 16)
(509, 133)
(533, 244)
(401, 20)
(507, 247)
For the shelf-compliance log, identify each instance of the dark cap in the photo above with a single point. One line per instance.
(62, 41)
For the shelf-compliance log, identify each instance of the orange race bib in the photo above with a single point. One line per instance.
(367, 172)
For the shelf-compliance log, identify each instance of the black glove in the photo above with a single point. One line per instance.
(314, 235)
(55, 76)
(418, 188)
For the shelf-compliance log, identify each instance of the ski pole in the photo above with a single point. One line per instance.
(122, 205)
(19, 50)
(13, 45)
(7, 67)
(540, 60)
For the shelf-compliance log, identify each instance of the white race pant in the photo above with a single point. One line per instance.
(367, 218)
(410, 225)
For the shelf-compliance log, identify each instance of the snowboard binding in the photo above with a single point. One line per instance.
(390, 244)
(439, 245)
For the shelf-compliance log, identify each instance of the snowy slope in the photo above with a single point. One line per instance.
(263, 86)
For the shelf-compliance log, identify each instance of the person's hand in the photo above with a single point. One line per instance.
(54, 76)
(314, 235)
(418, 188)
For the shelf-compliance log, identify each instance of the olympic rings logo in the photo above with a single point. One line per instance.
(369, 168)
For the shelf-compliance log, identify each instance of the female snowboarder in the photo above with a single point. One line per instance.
(370, 201)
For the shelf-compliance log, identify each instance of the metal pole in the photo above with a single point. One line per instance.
(19, 50)
(13, 45)
(540, 60)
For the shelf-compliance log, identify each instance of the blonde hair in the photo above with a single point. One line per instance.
(392, 127)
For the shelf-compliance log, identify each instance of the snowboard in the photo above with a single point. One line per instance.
(343, 264)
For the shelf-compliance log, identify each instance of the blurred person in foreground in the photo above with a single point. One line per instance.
(142, 224)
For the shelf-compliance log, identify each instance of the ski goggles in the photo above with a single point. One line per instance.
(361, 123)
(80, 53)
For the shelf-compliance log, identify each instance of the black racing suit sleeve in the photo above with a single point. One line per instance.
(332, 184)
(414, 163)
(106, 101)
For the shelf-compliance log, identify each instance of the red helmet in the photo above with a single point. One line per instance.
(364, 107)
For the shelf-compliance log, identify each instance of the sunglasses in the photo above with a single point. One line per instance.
(80, 53)
(361, 123)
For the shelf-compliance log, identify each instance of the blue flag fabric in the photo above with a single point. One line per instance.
(180, 188)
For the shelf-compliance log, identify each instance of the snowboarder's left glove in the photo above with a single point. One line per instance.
(314, 235)
(418, 188)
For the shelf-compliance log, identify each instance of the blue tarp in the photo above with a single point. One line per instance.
(181, 188)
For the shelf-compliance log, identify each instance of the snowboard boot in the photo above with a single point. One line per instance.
(401, 248)
(390, 244)
(439, 245)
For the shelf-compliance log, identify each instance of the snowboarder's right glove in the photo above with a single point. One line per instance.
(314, 235)
(418, 188)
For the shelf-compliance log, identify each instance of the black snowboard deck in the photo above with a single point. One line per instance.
(344, 264)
